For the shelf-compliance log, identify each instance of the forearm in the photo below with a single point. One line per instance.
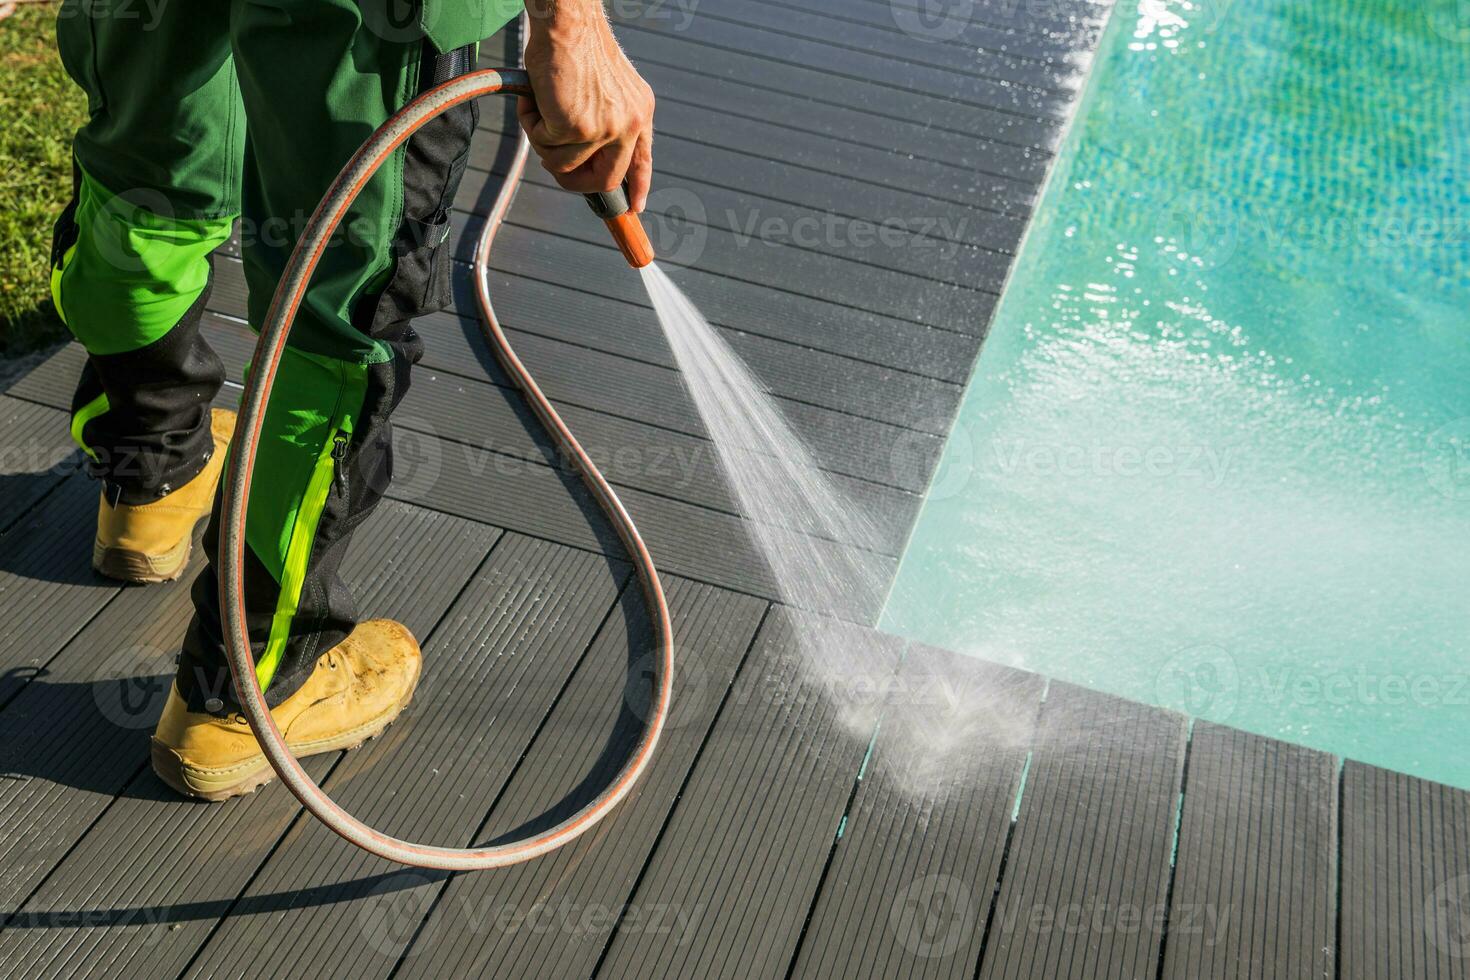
(591, 121)
(558, 20)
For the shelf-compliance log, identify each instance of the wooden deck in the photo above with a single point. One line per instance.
(1095, 838)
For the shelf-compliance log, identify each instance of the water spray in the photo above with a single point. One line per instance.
(628, 233)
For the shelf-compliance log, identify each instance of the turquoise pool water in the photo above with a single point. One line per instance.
(1216, 451)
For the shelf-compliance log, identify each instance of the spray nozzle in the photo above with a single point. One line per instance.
(612, 207)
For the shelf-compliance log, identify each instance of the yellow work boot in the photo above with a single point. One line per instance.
(151, 542)
(357, 689)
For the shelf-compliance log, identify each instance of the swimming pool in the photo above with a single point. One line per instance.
(1215, 454)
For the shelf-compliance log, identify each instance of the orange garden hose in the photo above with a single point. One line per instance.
(288, 297)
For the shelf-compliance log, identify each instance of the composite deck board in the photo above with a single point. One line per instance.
(819, 426)
(1008, 139)
(435, 467)
(693, 542)
(620, 322)
(499, 663)
(136, 899)
(1077, 21)
(743, 854)
(50, 384)
(48, 590)
(104, 691)
(706, 545)
(484, 428)
(1255, 893)
(551, 918)
(959, 305)
(700, 543)
(1087, 875)
(603, 309)
(141, 888)
(526, 254)
(784, 315)
(730, 185)
(837, 67)
(932, 245)
(491, 420)
(35, 456)
(825, 146)
(849, 388)
(992, 62)
(920, 853)
(460, 406)
(632, 455)
(971, 30)
(624, 325)
(817, 153)
(1405, 877)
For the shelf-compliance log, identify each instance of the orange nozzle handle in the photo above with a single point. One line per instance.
(627, 231)
(632, 240)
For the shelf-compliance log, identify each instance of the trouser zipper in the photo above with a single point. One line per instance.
(339, 463)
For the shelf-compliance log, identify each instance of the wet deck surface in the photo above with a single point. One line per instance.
(1069, 835)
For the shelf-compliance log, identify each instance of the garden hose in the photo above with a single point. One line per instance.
(628, 233)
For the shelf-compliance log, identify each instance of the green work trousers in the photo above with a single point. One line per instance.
(204, 114)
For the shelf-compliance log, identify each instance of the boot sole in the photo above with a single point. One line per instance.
(134, 566)
(203, 784)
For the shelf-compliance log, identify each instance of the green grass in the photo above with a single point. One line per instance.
(40, 108)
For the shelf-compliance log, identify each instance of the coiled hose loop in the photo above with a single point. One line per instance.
(273, 332)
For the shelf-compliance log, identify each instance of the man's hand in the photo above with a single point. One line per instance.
(592, 119)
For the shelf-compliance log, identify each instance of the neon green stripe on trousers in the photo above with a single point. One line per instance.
(298, 555)
(317, 402)
(88, 412)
